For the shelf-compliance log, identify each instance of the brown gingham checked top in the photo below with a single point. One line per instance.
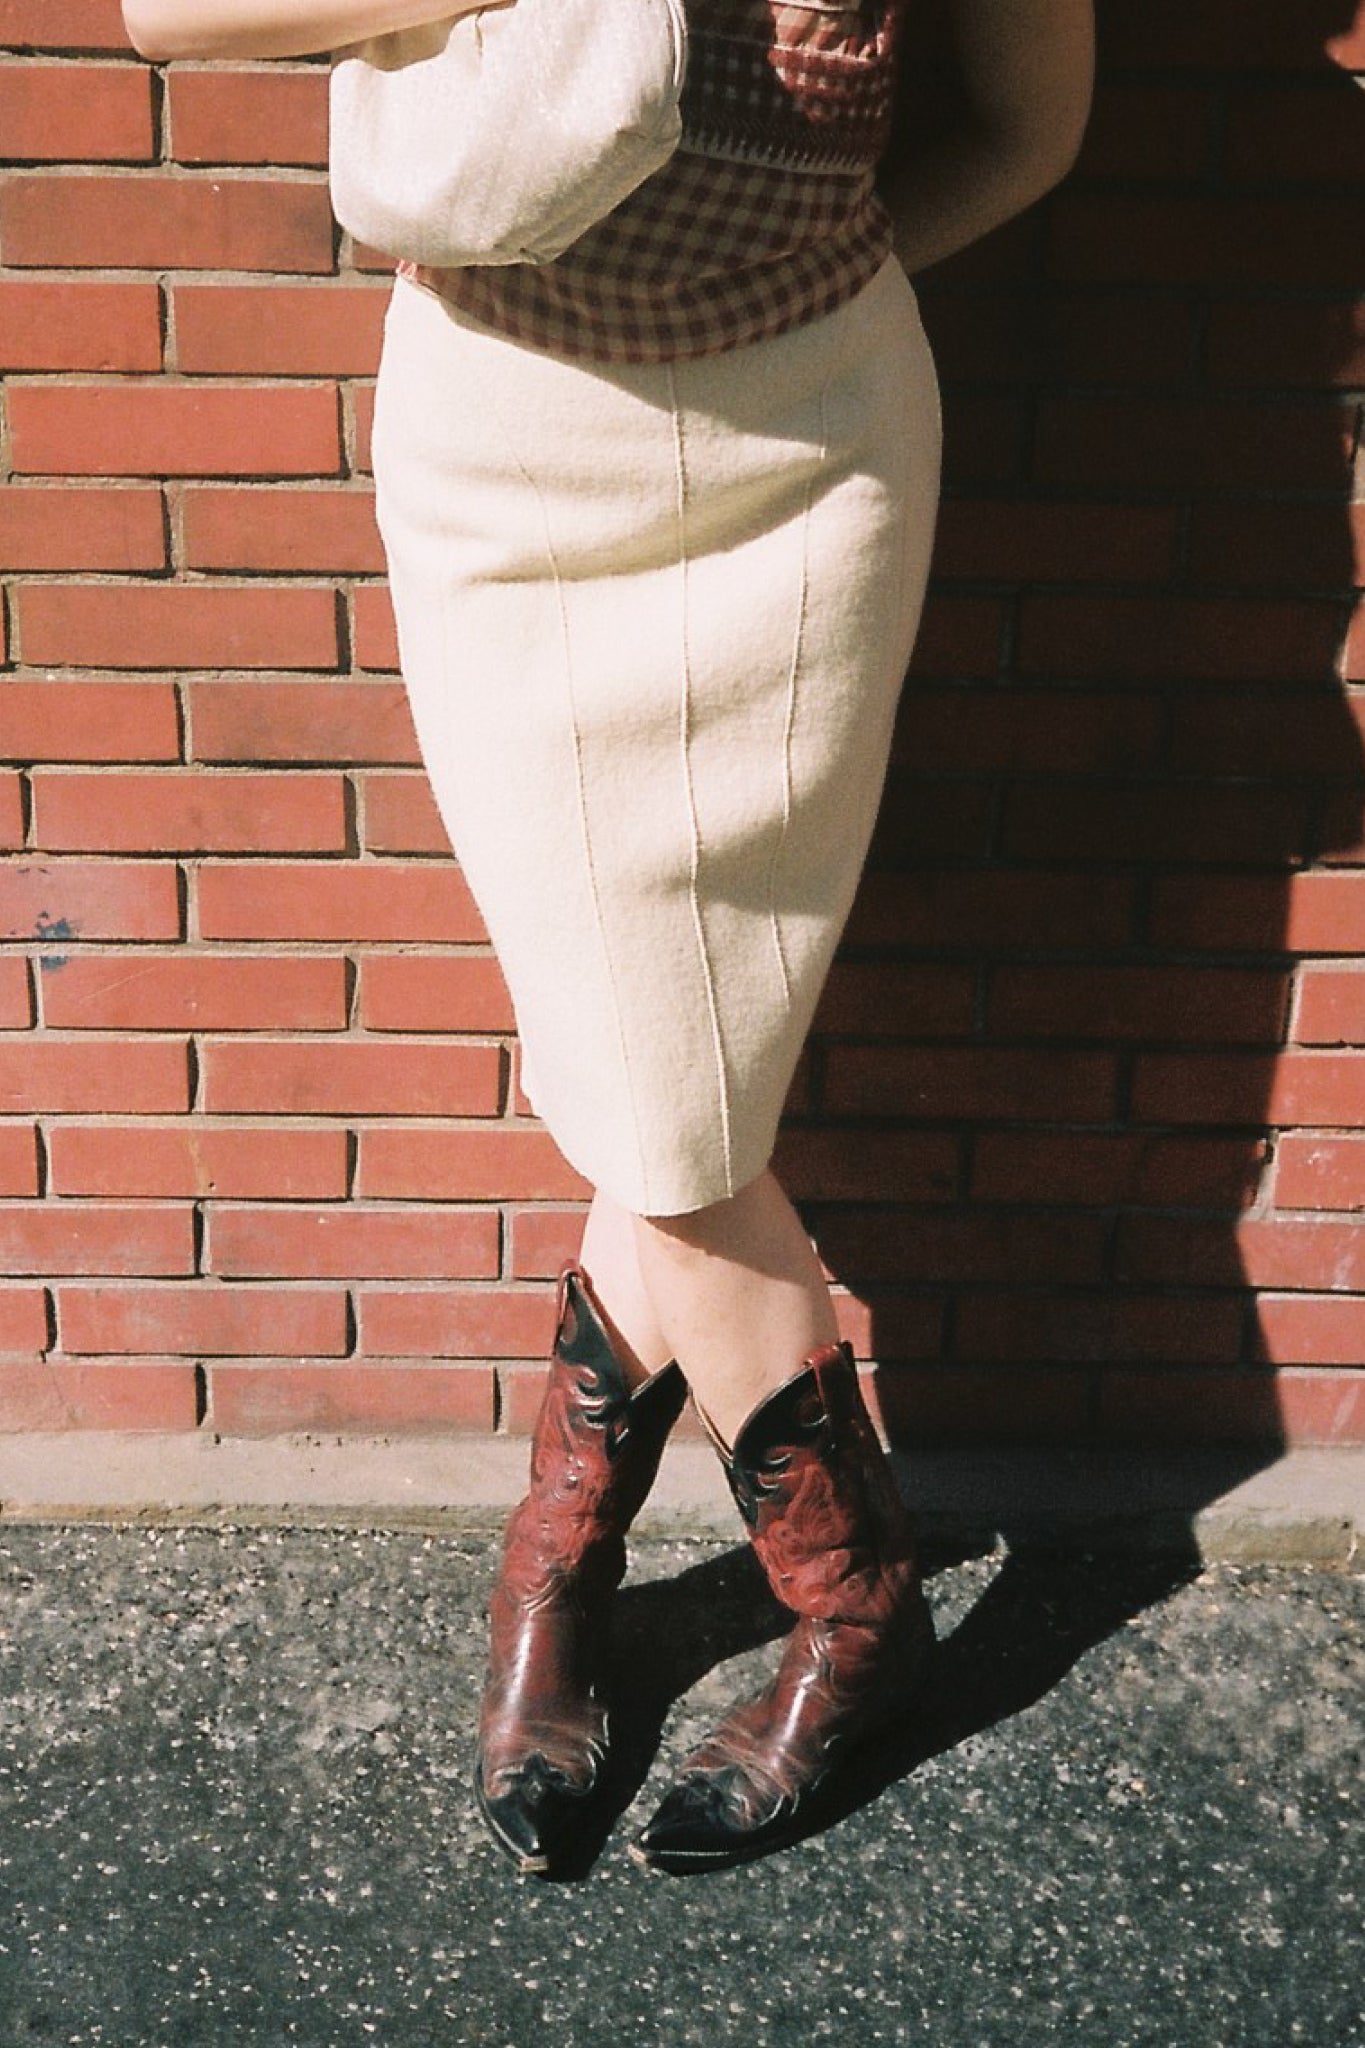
(765, 218)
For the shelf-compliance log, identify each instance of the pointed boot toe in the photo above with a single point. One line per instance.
(707, 1823)
(533, 1814)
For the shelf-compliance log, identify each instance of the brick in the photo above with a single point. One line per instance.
(964, 1083)
(362, 401)
(1267, 732)
(91, 113)
(886, 1000)
(1309, 1329)
(967, 911)
(16, 997)
(1322, 1253)
(257, 527)
(278, 330)
(79, 324)
(352, 904)
(56, 901)
(958, 637)
(1226, 1005)
(503, 1164)
(985, 732)
(1219, 35)
(1104, 1168)
(48, 1238)
(1331, 1006)
(960, 1405)
(1301, 913)
(116, 1076)
(371, 1397)
(1282, 133)
(11, 811)
(144, 221)
(62, 24)
(220, 115)
(153, 1394)
(1319, 1170)
(179, 992)
(839, 1165)
(1099, 1328)
(449, 1323)
(957, 1245)
(338, 1243)
(170, 625)
(1250, 1088)
(1168, 822)
(18, 1162)
(88, 721)
(232, 1162)
(375, 637)
(1189, 1408)
(1223, 444)
(1057, 339)
(1225, 241)
(45, 526)
(209, 1317)
(922, 820)
(23, 1319)
(1321, 1407)
(399, 815)
(223, 812)
(984, 443)
(1306, 547)
(281, 718)
(1341, 836)
(1311, 347)
(444, 992)
(1007, 540)
(1146, 131)
(351, 1078)
(1223, 640)
(156, 429)
(544, 1240)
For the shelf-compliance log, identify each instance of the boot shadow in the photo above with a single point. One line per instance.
(1040, 1614)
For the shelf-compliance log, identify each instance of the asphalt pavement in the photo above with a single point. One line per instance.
(234, 1807)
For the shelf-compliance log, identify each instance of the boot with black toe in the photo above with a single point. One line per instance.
(543, 1723)
(833, 1536)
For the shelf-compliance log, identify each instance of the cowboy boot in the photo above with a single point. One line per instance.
(815, 1489)
(596, 1448)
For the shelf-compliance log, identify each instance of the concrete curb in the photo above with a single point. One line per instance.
(1304, 1507)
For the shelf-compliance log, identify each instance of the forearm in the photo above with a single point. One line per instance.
(1026, 72)
(957, 190)
(164, 29)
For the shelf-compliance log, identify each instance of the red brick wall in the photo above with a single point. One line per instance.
(1083, 1125)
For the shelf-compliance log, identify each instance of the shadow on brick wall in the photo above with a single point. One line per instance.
(1053, 1140)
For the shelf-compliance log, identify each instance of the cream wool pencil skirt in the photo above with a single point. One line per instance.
(654, 620)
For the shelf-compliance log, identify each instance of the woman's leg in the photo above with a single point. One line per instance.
(734, 1291)
(610, 1259)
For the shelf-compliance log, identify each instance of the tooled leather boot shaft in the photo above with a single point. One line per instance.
(594, 1456)
(815, 1490)
(595, 1453)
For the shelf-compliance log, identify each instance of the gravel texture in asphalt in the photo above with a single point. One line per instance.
(234, 1807)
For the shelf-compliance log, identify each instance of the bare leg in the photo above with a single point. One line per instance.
(612, 1263)
(739, 1294)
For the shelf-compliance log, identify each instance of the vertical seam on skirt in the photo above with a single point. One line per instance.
(793, 677)
(694, 825)
(585, 830)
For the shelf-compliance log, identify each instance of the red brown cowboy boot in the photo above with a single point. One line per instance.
(815, 1488)
(596, 1449)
